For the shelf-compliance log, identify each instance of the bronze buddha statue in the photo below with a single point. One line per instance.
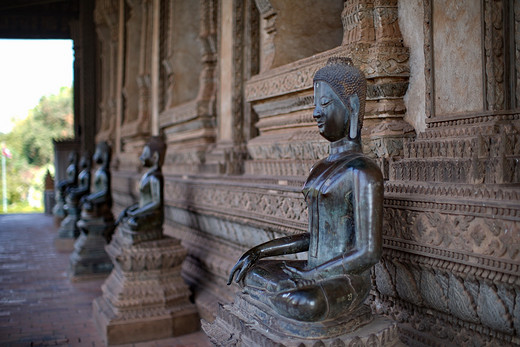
(83, 188)
(99, 202)
(344, 195)
(68, 182)
(148, 213)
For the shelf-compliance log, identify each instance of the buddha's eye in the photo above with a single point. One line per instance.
(325, 101)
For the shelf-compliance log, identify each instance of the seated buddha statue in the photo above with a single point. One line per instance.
(75, 194)
(148, 213)
(98, 204)
(344, 196)
(70, 180)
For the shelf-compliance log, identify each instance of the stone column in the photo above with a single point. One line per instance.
(87, 81)
(371, 32)
(228, 155)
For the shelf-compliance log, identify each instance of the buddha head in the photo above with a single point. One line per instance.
(73, 158)
(339, 98)
(153, 152)
(102, 154)
(84, 163)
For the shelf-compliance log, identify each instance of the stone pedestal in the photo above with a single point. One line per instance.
(248, 322)
(68, 231)
(89, 257)
(58, 210)
(144, 297)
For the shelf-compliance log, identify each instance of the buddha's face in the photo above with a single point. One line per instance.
(330, 113)
(146, 157)
(83, 163)
(98, 156)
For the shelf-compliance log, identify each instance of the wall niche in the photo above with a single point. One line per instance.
(293, 30)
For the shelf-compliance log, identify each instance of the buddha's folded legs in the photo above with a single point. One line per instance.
(305, 300)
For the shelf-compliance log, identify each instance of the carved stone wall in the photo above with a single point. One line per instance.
(241, 140)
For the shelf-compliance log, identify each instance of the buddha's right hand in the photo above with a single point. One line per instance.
(243, 265)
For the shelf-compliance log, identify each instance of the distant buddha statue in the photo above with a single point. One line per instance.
(344, 195)
(96, 224)
(71, 197)
(71, 174)
(99, 203)
(70, 180)
(147, 215)
(75, 194)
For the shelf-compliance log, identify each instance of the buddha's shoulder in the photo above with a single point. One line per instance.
(361, 165)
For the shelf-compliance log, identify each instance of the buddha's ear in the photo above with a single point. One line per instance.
(354, 115)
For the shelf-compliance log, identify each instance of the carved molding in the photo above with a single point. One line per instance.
(516, 56)
(477, 299)
(494, 54)
(190, 127)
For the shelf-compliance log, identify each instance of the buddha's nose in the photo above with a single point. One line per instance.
(317, 113)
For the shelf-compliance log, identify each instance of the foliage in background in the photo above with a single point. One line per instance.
(30, 142)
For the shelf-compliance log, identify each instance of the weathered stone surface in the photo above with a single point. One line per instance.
(248, 322)
(89, 257)
(457, 39)
(144, 297)
(233, 178)
(68, 231)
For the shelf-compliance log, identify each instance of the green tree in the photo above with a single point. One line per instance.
(30, 142)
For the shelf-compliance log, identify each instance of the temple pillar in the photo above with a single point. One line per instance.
(372, 35)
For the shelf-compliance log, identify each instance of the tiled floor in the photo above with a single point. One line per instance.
(39, 306)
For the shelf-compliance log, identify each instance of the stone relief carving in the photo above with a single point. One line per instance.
(494, 54)
(106, 18)
(435, 182)
(453, 291)
(191, 122)
(516, 24)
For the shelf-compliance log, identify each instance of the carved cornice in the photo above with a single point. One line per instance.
(181, 113)
(455, 195)
(287, 79)
(466, 264)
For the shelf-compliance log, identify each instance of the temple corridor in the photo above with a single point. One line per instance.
(39, 305)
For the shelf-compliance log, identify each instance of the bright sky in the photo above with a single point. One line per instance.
(30, 69)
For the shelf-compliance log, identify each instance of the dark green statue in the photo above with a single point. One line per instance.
(344, 195)
(71, 175)
(69, 181)
(97, 222)
(75, 194)
(99, 202)
(148, 213)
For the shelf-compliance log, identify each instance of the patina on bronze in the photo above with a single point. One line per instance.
(70, 180)
(96, 224)
(148, 213)
(71, 174)
(99, 202)
(344, 194)
(83, 188)
(73, 193)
